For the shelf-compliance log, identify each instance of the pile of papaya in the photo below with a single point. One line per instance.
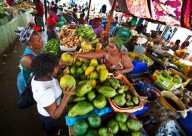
(123, 96)
(169, 74)
(93, 87)
(118, 124)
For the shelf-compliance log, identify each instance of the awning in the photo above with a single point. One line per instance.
(172, 12)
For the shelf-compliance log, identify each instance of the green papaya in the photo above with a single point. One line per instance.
(119, 100)
(81, 108)
(135, 100)
(177, 79)
(94, 120)
(83, 87)
(121, 117)
(79, 98)
(114, 126)
(104, 132)
(123, 127)
(80, 127)
(136, 134)
(134, 125)
(169, 77)
(114, 83)
(165, 73)
(107, 91)
(128, 96)
(91, 96)
(129, 104)
(92, 132)
(100, 101)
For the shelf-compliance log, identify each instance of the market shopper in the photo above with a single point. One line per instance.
(50, 22)
(39, 14)
(47, 91)
(34, 44)
(115, 60)
(176, 46)
(97, 27)
(81, 19)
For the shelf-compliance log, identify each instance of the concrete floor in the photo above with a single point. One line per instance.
(15, 122)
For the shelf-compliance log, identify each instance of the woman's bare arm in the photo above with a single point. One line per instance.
(91, 55)
(56, 111)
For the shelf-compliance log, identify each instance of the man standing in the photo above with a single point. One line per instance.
(39, 14)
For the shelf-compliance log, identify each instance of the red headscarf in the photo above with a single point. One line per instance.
(96, 21)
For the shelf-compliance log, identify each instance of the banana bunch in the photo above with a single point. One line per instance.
(86, 31)
(86, 47)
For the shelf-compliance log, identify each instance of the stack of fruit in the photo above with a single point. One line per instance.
(169, 74)
(120, 124)
(3, 13)
(66, 32)
(140, 58)
(93, 87)
(70, 42)
(52, 46)
(86, 31)
(24, 5)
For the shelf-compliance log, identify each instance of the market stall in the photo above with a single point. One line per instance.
(10, 19)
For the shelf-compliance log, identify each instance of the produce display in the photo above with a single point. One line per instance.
(52, 46)
(118, 124)
(86, 31)
(171, 76)
(24, 5)
(3, 4)
(3, 13)
(175, 60)
(140, 58)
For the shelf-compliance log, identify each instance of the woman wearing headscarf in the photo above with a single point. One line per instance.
(97, 27)
(115, 60)
(34, 44)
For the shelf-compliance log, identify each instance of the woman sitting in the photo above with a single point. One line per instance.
(115, 60)
(182, 52)
(47, 91)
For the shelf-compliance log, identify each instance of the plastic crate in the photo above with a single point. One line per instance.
(168, 84)
(116, 108)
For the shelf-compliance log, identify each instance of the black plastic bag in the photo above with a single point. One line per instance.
(26, 99)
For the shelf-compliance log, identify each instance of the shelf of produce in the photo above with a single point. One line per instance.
(106, 118)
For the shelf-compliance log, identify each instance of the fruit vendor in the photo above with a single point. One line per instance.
(115, 60)
(47, 91)
(97, 27)
(182, 52)
(34, 44)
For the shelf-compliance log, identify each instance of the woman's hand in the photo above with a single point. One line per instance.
(71, 53)
(117, 72)
(67, 92)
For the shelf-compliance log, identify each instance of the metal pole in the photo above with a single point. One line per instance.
(45, 6)
(109, 20)
(88, 10)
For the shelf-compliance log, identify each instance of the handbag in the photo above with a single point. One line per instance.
(26, 99)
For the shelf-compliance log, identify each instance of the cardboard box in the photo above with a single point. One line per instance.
(168, 84)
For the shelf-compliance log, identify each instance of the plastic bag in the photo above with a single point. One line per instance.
(100, 112)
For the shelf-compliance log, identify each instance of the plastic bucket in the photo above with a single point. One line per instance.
(172, 102)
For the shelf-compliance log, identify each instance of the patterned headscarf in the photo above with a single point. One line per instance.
(118, 42)
(24, 34)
